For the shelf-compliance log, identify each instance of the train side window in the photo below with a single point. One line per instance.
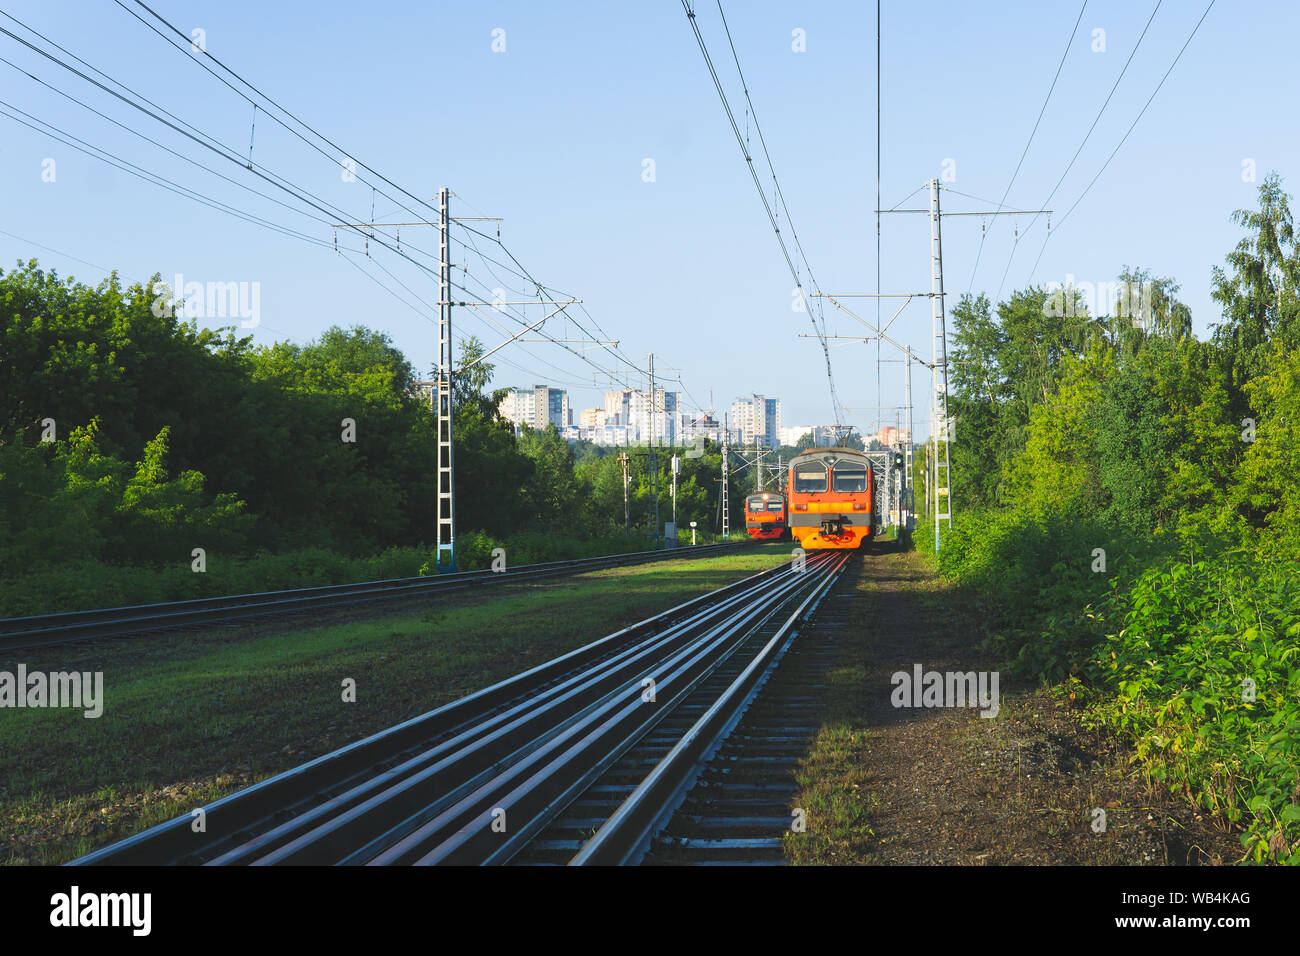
(809, 477)
(850, 477)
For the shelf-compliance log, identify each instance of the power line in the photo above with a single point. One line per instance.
(222, 151)
(767, 155)
(186, 192)
(767, 206)
(163, 147)
(1082, 143)
(523, 273)
(128, 167)
(60, 252)
(265, 99)
(118, 162)
(428, 317)
(205, 140)
(1024, 152)
(541, 289)
(288, 113)
(1125, 137)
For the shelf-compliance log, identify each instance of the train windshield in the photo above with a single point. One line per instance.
(775, 505)
(850, 476)
(754, 504)
(809, 477)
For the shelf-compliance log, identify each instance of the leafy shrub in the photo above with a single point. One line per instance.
(1170, 633)
(1208, 689)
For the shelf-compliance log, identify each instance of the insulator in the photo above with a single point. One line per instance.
(252, 129)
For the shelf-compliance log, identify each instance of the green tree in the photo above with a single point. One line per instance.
(1057, 469)
(557, 497)
(1267, 489)
(1258, 289)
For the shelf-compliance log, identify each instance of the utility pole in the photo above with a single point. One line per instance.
(442, 393)
(907, 452)
(446, 460)
(939, 471)
(929, 477)
(758, 470)
(654, 467)
(676, 469)
(938, 323)
(441, 398)
(726, 453)
(627, 515)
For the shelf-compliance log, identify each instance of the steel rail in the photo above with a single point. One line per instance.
(436, 777)
(20, 633)
(298, 789)
(626, 836)
(539, 787)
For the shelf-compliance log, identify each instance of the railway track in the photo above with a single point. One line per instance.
(742, 800)
(579, 759)
(20, 633)
(726, 795)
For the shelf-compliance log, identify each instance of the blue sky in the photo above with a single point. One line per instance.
(552, 134)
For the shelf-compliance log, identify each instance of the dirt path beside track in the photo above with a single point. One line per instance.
(917, 785)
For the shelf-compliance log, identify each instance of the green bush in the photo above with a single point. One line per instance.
(1169, 634)
(1205, 672)
(1035, 578)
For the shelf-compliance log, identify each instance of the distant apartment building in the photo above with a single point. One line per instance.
(626, 419)
(792, 434)
(618, 406)
(700, 426)
(889, 436)
(615, 436)
(536, 407)
(631, 409)
(757, 420)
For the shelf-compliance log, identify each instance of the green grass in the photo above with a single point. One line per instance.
(45, 589)
(190, 717)
(835, 785)
(835, 791)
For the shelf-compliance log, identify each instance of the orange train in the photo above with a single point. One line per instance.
(831, 498)
(765, 515)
